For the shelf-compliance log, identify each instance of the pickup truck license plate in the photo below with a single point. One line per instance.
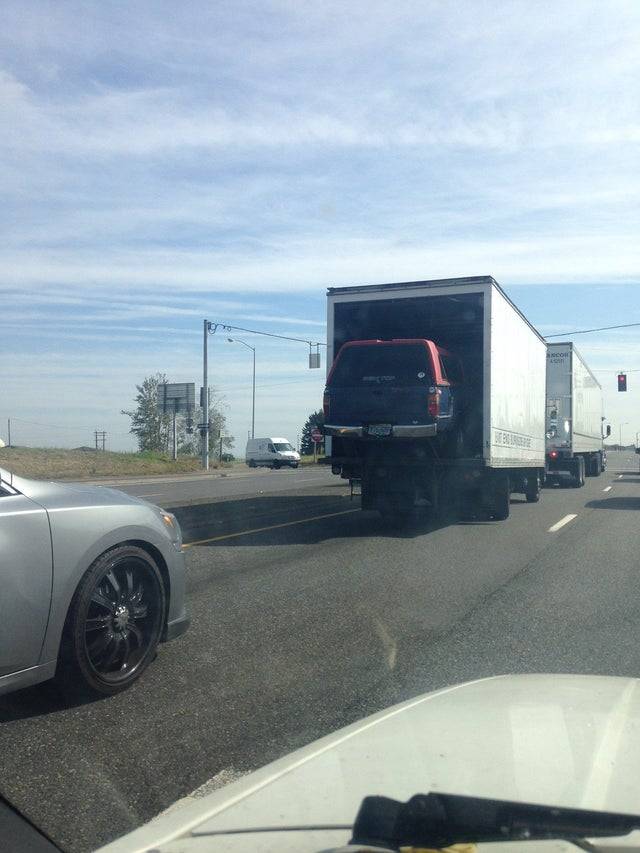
(379, 429)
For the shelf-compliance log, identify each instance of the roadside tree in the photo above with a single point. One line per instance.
(151, 428)
(315, 419)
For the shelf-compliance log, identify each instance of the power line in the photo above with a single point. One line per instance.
(51, 426)
(586, 331)
(611, 370)
(58, 426)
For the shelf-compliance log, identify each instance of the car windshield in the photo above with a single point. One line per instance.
(381, 364)
(319, 395)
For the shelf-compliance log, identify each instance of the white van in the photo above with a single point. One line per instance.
(271, 453)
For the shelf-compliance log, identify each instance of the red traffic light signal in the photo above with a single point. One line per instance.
(622, 382)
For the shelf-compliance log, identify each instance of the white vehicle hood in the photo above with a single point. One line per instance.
(565, 740)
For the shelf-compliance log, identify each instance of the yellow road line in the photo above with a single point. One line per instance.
(271, 527)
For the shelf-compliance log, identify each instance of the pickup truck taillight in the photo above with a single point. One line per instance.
(433, 403)
(325, 405)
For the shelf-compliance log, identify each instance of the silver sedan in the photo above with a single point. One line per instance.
(91, 580)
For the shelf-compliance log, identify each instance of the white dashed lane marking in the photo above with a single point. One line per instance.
(562, 522)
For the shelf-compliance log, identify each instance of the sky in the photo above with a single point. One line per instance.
(163, 163)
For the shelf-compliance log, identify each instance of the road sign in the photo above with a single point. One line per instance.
(316, 436)
(176, 397)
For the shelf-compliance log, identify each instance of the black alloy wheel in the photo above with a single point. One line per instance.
(115, 621)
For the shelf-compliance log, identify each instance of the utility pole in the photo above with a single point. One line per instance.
(205, 400)
(8, 432)
(175, 429)
(253, 403)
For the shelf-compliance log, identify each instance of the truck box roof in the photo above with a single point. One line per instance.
(479, 281)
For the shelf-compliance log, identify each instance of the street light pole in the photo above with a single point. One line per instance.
(205, 399)
(253, 393)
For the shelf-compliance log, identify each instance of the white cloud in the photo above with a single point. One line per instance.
(300, 265)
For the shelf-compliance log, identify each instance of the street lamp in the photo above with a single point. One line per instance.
(253, 395)
(626, 423)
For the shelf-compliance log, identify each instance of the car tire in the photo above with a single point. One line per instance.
(114, 623)
(252, 463)
(276, 466)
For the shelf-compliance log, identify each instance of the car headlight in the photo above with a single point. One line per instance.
(172, 526)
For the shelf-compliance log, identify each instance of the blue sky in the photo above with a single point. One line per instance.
(168, 162)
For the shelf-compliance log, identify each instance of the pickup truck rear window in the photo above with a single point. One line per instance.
(374, 364)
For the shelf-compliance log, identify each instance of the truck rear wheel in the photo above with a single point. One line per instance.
(532, 492)
(500, 498)
(577, 479)
(393, 514)
(594, 468)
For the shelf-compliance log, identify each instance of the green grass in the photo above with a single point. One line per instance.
(308, 460)
(59, 464)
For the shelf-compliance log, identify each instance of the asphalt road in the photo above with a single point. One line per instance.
(306, 625)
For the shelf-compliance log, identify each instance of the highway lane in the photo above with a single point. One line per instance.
(233, 482)
(299, 629)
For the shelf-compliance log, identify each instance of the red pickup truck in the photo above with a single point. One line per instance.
(394, 389)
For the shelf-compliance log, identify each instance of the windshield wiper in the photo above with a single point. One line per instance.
(439, 820)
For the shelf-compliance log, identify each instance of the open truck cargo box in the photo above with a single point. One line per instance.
(503, 356)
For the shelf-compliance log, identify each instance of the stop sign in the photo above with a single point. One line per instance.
(316, 435)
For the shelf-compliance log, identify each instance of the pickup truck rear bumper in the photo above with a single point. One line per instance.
(397, 431)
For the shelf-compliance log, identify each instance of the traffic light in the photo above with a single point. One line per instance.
(622, 382)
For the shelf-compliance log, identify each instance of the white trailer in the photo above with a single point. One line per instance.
(504, 361)
(574, 436)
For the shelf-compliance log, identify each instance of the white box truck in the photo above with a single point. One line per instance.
(435, 396)
(575, 436)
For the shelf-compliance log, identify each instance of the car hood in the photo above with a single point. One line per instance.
(52, 495)
(565, 740)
